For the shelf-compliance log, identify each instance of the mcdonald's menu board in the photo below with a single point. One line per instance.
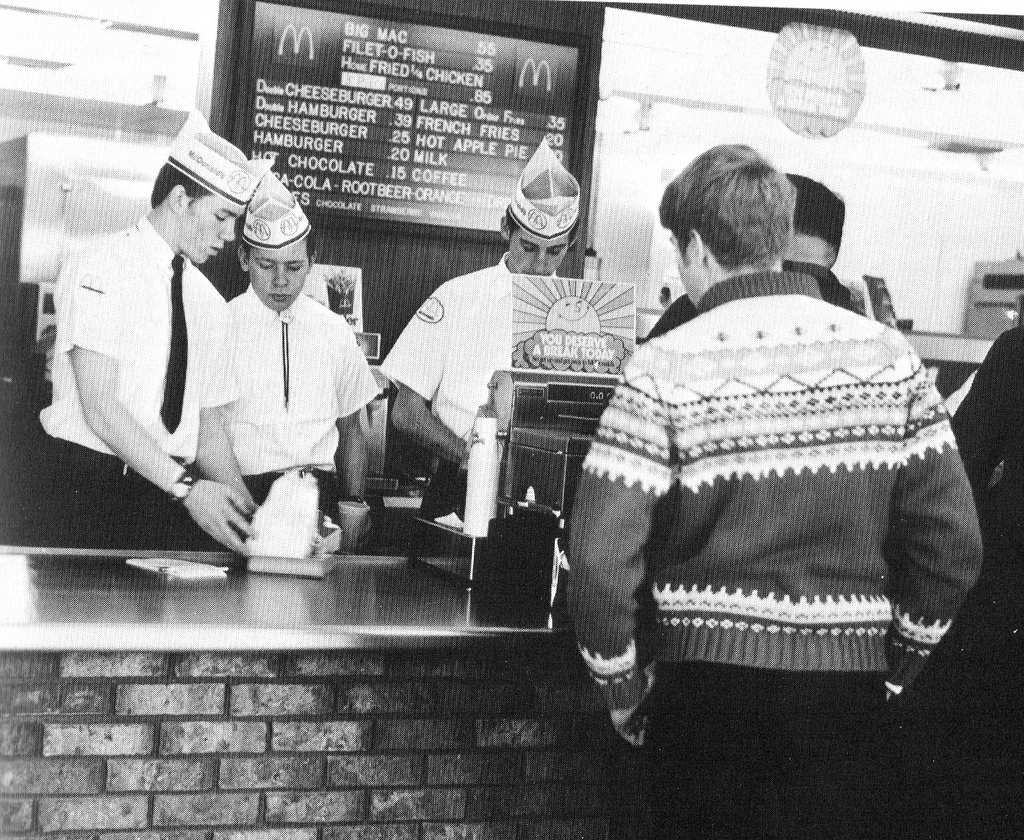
(393, 121)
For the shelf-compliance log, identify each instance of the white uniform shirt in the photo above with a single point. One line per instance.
(453, 345)
(328, 379)
(115, 299)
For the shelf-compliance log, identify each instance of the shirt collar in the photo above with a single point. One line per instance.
(155, 244)
(758, 284)
(270, 316)
(818, 272)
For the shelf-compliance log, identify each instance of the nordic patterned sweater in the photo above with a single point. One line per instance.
(782, 476)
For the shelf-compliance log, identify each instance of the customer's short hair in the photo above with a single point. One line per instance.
(170, 177)
(741, 206)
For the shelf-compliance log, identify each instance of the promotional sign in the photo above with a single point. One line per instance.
(388, 120)
(572, 326)
(816, 80)
(340, 289)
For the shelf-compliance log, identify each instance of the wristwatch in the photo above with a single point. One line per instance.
(182, 487)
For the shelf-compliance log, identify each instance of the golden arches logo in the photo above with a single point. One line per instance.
(536, 67)
(297, 36)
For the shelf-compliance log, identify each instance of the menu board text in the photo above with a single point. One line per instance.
(386, 120)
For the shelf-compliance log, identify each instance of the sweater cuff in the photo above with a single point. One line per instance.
(621, 682)
(906, 660)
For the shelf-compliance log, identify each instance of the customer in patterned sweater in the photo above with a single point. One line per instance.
(780, 477)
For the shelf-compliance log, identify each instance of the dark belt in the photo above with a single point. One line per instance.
(101, 461)
(259, 486)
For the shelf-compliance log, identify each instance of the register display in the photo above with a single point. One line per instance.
(387, 120)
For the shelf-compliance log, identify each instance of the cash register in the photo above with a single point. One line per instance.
(549, 403)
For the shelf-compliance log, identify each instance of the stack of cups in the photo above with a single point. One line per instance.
(482, 477)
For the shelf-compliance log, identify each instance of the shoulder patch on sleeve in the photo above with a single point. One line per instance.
(92, 282)
(432, 311)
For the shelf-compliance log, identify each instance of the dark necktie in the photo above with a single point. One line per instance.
(177, 364)
(285, 317)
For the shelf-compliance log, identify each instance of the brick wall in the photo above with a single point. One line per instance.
(494, 742)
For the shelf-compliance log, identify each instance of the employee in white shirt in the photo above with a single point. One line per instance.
(302, 378)
(461, 335)
(141, 458)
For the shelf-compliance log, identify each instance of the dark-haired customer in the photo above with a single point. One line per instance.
(779, 477)
(141, 459)
(818, 217)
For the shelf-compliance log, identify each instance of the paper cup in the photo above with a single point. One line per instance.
(354, 522)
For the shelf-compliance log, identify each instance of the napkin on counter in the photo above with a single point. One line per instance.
(451, 520)
(184, 569)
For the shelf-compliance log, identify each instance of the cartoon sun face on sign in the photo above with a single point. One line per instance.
(573, 314)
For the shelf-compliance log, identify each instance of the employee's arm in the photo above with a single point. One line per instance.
(350, 458)
(412, 415)
(215, 458)
(216, 508)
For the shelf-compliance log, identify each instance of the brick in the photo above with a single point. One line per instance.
(493, 803)
(424, 666)
(113, 665)
(592, 829)
(27, 666)
(545, 800)
(371, 832)
(516, 733)
(434, 698)
(567, 698)
(318, 807)
(419, 804)
(85, 700)
(469, 831)
(225, 665)
(212, 736)
(329, 736)
(270, 772)
(270, 834)
(174, 699)
(156, 835)
(29, 699)
(19, 738)
(473, 769)
(92, 812)
(335, 665)
(574, 766)
(15, 815)
(205, 809)
(374, 770)
(153, 774)
(422, 734)
(98, 739)
(370, 698)
(49, 776)
(256, 699)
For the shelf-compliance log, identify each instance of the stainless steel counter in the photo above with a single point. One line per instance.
(54, 599)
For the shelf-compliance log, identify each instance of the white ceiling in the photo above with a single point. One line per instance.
(109, 50)
(711, 83)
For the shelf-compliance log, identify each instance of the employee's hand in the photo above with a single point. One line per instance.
(222, 512)
(628, 722)
(630, 725)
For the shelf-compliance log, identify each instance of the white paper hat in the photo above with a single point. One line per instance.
(274, 218)
(214, 163)
(547, 198)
